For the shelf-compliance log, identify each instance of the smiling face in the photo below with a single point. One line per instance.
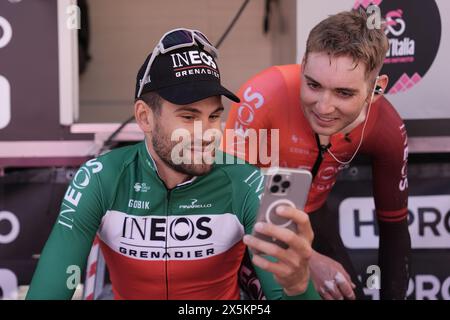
(183, 119)
(334, 92)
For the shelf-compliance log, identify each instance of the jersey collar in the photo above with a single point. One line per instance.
(150, 163)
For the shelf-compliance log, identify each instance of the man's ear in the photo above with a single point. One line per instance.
(144, 116)
(380, 86)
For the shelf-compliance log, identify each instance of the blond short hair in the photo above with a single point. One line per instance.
(347, 34)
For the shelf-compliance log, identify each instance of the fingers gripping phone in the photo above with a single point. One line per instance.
(283, 186)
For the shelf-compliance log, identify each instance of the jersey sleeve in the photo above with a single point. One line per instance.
(272, 290)
(63, 259)
(389, 153)
(249, 122)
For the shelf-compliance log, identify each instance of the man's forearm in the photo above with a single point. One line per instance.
(394, 259)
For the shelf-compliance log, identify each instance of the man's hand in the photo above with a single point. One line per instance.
(291, 270)
(330, 278)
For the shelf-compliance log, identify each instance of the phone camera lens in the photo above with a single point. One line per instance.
(274, 189)
(277, 178)
(285, 184)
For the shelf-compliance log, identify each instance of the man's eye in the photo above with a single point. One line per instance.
(313, 85)
(214, 117)
(188, 117)
(345, 94)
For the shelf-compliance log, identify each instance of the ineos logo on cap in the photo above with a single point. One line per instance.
(192, 57)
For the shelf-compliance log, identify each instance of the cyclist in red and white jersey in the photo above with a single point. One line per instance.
(329, 109)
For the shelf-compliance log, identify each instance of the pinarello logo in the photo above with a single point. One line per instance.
(414, 30)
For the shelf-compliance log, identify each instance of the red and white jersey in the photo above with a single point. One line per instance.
(271, 100)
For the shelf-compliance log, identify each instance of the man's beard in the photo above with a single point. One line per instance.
(163, 147)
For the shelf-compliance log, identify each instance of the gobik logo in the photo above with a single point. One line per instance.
(414, 30)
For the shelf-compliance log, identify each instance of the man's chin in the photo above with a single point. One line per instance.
(324, 131)
(328, 131)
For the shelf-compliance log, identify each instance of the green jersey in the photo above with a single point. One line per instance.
(183, 243)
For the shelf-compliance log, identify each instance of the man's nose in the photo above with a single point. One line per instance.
(211, 130)
(200, 127)
(325, 104)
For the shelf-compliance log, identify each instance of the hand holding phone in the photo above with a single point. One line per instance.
(285, 236)
(283, 187)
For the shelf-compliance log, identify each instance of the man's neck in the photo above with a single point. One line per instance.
(361, 118)
(168, 175)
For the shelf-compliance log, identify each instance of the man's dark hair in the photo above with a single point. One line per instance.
(153, 100)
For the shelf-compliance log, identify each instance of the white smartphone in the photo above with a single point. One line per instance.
(283, 186)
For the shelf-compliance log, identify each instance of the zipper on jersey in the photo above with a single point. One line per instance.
(167, 228)
(322, 149)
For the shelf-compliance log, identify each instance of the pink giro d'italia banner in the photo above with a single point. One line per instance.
(414, 39)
